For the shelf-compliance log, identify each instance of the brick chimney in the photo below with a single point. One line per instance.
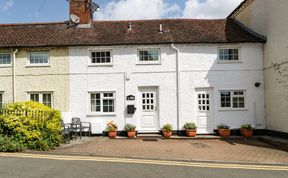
(82, 9)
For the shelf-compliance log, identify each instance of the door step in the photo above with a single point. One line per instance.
(148, 136)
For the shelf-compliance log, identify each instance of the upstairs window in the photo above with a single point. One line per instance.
(5, 59)
(102, 102)
(39, 58)
(233, 99)
(149, 55)
(101, 57)
(228, 54)
(44, 98)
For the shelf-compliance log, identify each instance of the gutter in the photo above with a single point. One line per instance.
(177, 87)
(14, 75)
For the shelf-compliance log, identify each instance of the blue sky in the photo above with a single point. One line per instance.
(23, 11)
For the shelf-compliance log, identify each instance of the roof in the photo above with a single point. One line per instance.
(144, 32)
(241, 6)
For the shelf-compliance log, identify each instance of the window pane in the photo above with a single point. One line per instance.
(34, 97)
(95, 102)
(228, 54)
(5, 59)
(149, 55)
(47, 100)
(225, 99)
(101, 57)
(39, 58)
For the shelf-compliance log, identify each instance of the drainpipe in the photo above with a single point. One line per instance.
(14, 75)
(177, 87)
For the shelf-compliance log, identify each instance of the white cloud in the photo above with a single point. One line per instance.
(206, 9)
(7, 5)
(137, 9)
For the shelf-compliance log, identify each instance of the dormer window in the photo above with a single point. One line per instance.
(228, 54)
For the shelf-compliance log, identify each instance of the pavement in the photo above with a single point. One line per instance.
(20, 165)
(235, 150)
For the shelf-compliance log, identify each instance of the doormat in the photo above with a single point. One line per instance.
(150, 139)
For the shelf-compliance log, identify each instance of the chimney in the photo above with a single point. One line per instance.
(82, 8)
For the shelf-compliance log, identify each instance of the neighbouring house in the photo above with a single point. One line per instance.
(145, 72)
(269, 18)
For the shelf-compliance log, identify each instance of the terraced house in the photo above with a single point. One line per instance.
(145, 72)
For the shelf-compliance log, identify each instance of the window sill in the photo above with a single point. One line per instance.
(148, 63)
(244, 109)
(5, 66)
(100, 65)
(229, 62)
(31, 66)
(101, 114)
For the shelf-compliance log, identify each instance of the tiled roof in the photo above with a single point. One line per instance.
(178, 31)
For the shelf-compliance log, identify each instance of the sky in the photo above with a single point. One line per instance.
(26, 11)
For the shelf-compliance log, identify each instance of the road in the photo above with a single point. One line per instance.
(43, 166)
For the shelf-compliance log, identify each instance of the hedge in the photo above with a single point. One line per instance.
(33, 125)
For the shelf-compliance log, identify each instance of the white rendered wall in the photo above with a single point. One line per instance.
(199, 68)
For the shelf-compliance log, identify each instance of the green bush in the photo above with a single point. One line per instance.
(32, 124)
(167, 127)
(8, 144)
(223, 126)
(129, 127)
(190, 126)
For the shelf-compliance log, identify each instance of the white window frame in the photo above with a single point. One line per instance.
(231, 99)
(7, 65)
(38, 64)
(148, 62)
(100, 64)
(229, 61)
(101, 112)
(41, 97)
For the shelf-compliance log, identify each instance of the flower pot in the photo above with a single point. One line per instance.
(246, 133)
(224, 132)
(131, 134)
(191, 133)
(167, 134)
(112, 134)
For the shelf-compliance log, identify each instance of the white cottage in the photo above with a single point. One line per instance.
(153, 72)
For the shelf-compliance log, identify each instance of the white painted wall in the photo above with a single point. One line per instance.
(199, 68)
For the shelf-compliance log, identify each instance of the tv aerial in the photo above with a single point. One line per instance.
(74, 19)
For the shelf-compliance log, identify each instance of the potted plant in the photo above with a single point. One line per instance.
(224, 130)
(130, 128)
(246, 130)
(167, 130)
(112, 129)
(190, 128)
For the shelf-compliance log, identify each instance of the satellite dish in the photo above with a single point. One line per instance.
(94, 7)
(74, 18)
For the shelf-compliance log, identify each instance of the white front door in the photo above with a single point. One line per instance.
(149, 110)
(204, 98)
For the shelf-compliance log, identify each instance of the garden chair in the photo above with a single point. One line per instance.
(65, 131)
(76, 127)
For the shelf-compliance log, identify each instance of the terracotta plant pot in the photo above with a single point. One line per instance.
(167, 134)
(191, 133)
(112, 134)
(246, 133)
(131, 134)
(224, 132)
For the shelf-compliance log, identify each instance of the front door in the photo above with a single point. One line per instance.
(149, 110)
(204, 98)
